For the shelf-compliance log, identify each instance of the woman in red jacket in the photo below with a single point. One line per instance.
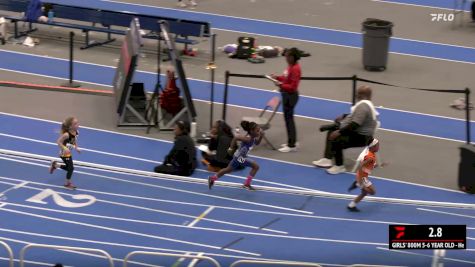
(288, 84)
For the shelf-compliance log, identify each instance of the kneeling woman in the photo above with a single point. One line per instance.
(253, 137)
(181, 160)
(217, 156)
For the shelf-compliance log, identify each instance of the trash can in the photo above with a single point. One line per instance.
(376, 34)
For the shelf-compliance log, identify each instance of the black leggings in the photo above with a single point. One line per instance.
(69, 166)
(214, 162)
(289, 101)
(334, 148)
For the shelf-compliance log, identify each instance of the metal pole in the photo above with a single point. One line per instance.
(71, 56)
(159, 58)
(353, 97)
(212, 67)
(467, 113)
(70, 83)
(10, 253)
(158, 86)
(225, 100)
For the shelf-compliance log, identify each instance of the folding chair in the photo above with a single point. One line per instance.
(263, 121)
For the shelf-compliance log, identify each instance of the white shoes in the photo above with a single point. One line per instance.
(183, 4)
(286, 149)
(297, 145)
(323, 163)
(336, 169)
(328, 164)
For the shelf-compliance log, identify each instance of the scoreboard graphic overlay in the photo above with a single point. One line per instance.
(427, 237)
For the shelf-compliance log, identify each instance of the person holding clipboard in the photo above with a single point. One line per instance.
(288, 84)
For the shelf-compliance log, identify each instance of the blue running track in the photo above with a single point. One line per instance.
(122, 213)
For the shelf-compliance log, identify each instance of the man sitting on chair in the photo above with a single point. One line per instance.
(353, 130)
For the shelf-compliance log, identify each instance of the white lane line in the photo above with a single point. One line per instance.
(192, 243)
(134, 220)
(82, 148)
(225, 207)
(20, 185)
(447, 213)
(329, 195)
(323, 194)
(423, 255)
(195, 261)
(196, 180)
(6, 190)
(144, 160)
(122, 231)
(16, 186)
(164, 200)
(191, 264)
(154, 210)
(180, 260)
(257, 211)
(95, 242)
(201, 216)
(269, 159)
(172, 189)
(326, 195)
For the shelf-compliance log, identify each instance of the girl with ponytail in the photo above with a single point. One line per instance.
(66, 142)
(252, 137)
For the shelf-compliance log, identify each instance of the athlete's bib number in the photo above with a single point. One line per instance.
(241, 159)
(59, 200)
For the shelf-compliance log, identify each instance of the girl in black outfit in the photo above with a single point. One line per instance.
(181, 160)
(66, 142)
(221, 137)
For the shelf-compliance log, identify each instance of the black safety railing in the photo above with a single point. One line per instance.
(355, 79)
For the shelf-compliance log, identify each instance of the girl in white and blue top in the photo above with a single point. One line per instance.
(253, 137)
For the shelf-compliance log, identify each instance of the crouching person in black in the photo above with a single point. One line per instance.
(216, 156)
(181, 160)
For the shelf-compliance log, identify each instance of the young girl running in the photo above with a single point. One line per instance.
(253, 137)
(67, 141)
(364, 168)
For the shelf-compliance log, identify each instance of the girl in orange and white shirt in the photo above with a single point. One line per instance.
(363, 170)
